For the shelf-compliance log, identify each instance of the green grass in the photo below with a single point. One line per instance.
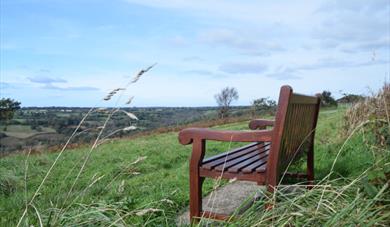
(120, 188)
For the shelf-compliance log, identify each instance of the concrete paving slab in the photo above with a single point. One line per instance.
(233, 197)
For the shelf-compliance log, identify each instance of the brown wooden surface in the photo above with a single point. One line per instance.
(263, 161)
(188, 135)
(260, 124)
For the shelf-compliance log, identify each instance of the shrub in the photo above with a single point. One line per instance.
(263, 106)
(374, 112)
(327, 99)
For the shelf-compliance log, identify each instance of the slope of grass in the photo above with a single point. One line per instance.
(140, 181)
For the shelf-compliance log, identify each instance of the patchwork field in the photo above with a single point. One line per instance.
(39, 128)
(25, 131)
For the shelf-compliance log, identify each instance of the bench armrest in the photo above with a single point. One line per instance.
(260, 124)
(187, 136)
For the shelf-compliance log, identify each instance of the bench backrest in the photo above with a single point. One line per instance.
(294, 129)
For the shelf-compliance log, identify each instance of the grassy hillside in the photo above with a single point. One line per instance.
(142, 181)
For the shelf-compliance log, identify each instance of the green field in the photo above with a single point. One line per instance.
(40, 128)
(24, 131)
(124, 178)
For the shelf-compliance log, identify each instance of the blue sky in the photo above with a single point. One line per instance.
(71, 53)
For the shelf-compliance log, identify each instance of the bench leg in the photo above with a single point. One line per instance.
(196, 181)
(195, 198)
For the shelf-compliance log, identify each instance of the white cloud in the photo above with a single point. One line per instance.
(244, 41)
(80, 88)
(243, 67)
(46, 80)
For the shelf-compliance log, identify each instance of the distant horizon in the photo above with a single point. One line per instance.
(336, 96)
(113, 107)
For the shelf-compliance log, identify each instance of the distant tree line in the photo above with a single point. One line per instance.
(7, 110)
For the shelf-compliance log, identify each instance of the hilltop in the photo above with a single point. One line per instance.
(143, 180)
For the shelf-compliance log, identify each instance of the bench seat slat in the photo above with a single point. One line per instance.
(229, 152)
(247, 159)
(261, 168)
(226, 165)
(228, 156)
(260, 163)
(263, 157)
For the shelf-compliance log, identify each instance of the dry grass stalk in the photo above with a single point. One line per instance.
(375, 109)
(147, 210)
(95, 144)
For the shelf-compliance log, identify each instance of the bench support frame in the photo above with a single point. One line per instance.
(293, 130)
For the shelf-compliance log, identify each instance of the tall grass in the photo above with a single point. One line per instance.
(97, 141)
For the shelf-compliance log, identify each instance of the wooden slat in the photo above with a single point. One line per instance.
(258, 158)
(262, 168)
(228, 156)
(225, 165)
(258, 177)
(303, 99)
(262, 155)
(254, 166)
(229, 152)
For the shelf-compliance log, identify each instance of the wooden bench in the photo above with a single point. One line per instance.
(263, 161)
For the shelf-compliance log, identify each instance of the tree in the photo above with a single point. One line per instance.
(263, 105)
(327, 99)
(224, 100)
(350, 98)
(7, 110)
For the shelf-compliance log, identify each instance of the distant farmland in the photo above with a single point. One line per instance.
(39, 128)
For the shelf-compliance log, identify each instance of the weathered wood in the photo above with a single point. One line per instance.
(229, 152)
(198, 149)
(187, 136)
(263, 161)
(260, 124)
(303, 99)
(229, 157)
(255, 159)
(258, 177)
